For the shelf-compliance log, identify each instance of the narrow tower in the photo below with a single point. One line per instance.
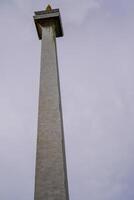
(51, 175)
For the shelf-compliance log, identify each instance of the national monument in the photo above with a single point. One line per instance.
(51, 174)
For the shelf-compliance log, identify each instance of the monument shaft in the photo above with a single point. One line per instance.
(51, 177)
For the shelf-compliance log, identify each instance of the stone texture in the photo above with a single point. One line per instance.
(51, 177)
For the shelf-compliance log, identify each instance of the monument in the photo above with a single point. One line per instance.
(51, 174)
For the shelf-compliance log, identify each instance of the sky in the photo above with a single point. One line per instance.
(97, 88)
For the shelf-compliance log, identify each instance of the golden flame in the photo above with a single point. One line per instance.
(48, 8)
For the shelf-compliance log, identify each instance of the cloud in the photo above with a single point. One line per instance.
(96, 73)
(76, 11)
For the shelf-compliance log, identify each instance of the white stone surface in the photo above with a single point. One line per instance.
(51, 179)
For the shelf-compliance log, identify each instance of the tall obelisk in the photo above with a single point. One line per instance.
(51, 175)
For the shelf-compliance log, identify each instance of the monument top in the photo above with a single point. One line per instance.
(48, 17)
(49, 8)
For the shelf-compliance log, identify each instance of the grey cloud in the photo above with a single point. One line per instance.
(96, 73)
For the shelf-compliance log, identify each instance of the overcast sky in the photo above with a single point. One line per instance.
(96, 62)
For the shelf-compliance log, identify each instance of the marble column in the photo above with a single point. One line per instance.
(51, 174)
